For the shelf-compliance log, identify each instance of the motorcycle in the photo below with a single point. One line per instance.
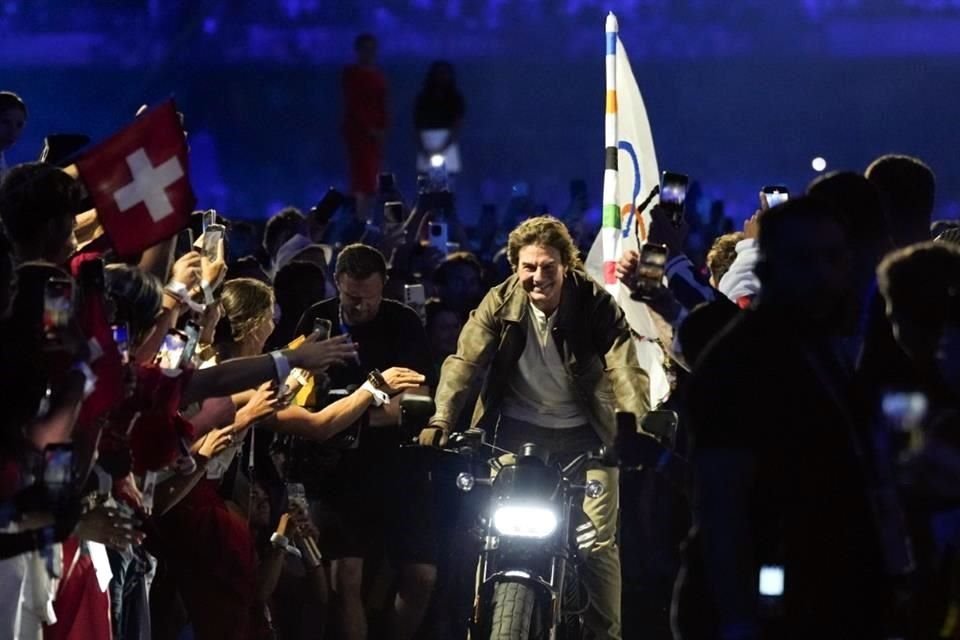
(536, 536)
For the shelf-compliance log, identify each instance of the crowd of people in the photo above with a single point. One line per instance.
(209, 440)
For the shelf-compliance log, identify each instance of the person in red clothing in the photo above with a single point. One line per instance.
(365, 118)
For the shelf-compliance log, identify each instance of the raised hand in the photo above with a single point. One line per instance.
(109, 526)
(399, 379)
(627, 269)
(216, 441)
(664, 231)
(186, 270)
(262, 403)
(315, 355)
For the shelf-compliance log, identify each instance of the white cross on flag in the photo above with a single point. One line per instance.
(139, 182)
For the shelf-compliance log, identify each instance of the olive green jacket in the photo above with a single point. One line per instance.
(591, 333)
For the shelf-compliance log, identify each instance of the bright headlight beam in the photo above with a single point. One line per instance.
(524, 522)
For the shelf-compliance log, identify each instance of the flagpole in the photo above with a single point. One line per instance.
(610, 230)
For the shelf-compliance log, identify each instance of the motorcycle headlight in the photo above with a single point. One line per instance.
(524, 522)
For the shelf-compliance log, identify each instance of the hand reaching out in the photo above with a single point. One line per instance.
(111, 527)
(627, 269)
(399, 379)
(315, 355)
(261, 404)
(186, 270)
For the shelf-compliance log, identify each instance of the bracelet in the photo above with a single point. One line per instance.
(207, 292)
(282, 542)
(380, 398)
(178, 292)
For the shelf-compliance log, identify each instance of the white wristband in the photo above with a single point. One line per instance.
(379, 397)
(179, 291)
(207, 292)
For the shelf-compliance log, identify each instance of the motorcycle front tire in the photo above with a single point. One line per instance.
(514, 606)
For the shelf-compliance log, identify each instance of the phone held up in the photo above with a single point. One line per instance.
(57, 305)
(415, 297)
(772, 195)
(673, 194)
(651, 267)
(211, 241)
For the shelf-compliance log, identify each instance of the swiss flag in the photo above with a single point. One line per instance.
(139, 183)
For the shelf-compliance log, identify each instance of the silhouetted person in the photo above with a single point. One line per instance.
(907, 186)
(780, 467)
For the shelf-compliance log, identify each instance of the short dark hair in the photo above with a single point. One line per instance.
(282, 226)
(774, 223)
(908, 185)
(921, 282)
(137, 295)
(454, 260)
(544, 231)
(360, 261)
(10, 100)
(859, 205)
(362, 39)
(34, 194)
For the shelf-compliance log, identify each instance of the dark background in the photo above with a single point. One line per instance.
(740, 93)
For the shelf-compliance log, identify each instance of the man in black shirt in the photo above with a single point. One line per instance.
(378, 502)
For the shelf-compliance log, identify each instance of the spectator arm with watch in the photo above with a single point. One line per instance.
(336, 417)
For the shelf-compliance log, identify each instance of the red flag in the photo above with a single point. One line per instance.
(139, 183)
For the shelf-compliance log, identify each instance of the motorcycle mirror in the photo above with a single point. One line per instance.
(661, 424)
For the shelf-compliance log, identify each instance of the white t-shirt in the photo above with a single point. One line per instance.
(540, 391)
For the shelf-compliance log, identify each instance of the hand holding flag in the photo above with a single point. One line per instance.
(139, 183)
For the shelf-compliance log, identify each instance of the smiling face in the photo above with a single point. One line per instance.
(541, 273)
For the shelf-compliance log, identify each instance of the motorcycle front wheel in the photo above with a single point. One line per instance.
(514, 605)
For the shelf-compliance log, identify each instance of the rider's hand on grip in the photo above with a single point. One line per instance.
(433, 437)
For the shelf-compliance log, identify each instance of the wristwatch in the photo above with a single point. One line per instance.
(376, 380)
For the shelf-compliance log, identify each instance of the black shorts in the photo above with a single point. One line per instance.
(378, 501)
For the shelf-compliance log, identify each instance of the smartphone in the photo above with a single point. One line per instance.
(192, 331)
(771, 581)
(185, 241)
(323, 327)
(438, 236)
(58, 469)
(673, 193)
(415, 297)
(90, 276)
(171, 351)
(653, 260)
(393, 212)
(772, 195)
(211, 241)
(57, 304)
(121, 337)
(209, 218)
(327, 206)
